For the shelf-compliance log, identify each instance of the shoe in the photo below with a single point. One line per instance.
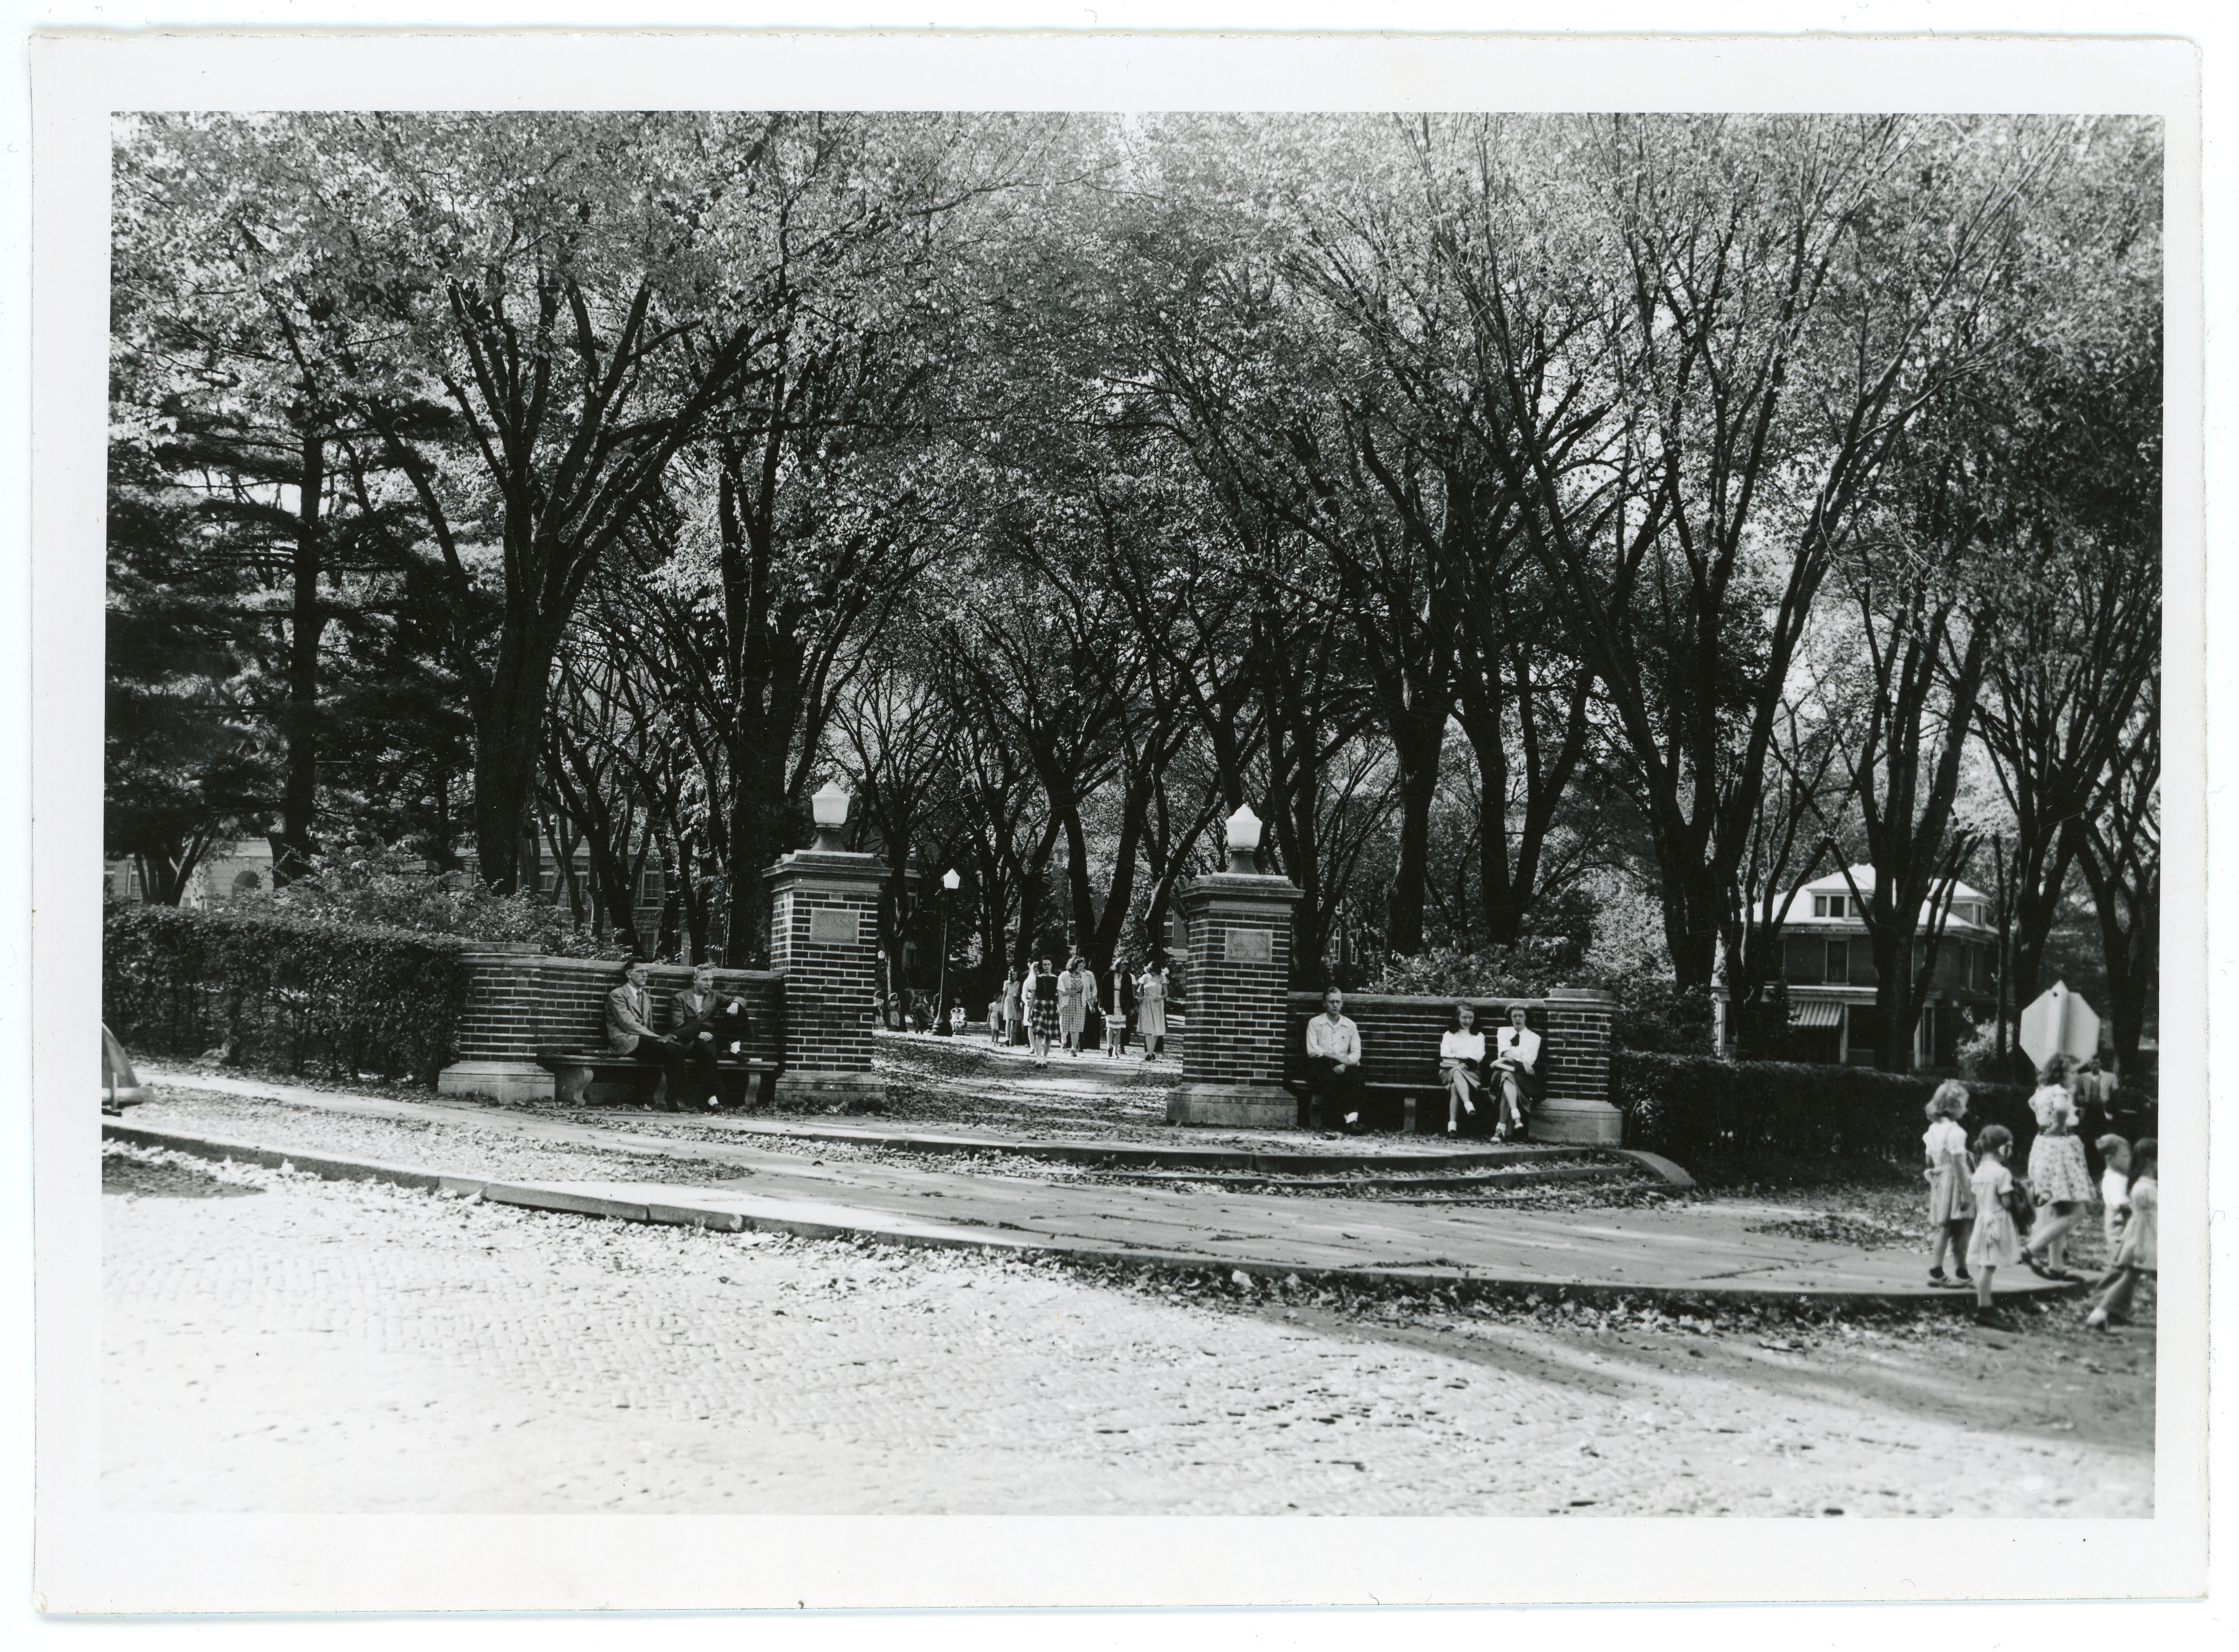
(2097, 1320)
(1453, 1129)
(1937, 1276)
(2029, 1261)
(1991, 1319)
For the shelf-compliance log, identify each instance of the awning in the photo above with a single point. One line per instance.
(1816, 1012)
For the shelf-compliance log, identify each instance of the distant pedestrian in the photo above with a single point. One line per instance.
(1044, 1025)
(2139, 1255)
(1995, 1241)
(1014, 1028)
(1950, 1201)
(1076, 996)
(2056, 1173)
(1151, 1007)
(1115, 1010)
(2113, 1187)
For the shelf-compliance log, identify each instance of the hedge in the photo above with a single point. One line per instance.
(1696, 1108)
(298, 993)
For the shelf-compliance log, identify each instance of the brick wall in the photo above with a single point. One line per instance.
(1240, 969)
(518, 1004)
(831, 981)
(1575, 1066)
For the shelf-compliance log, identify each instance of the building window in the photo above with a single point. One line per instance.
(1834, 907)
(1838, 961)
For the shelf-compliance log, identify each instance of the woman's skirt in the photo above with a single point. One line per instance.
(1950, 1197)
(1151, 1018)
(1072, 1018)
(1994, 1244)
(1045, 1017)
(2056, 1171)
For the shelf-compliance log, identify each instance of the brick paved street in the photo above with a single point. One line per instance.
(277, 1342)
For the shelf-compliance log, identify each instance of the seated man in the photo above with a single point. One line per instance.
(629, 1032)
(1334, 1061)
(709, 1028)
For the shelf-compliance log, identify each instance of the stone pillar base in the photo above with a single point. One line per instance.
(1253, 1107)
(499, 1080)
(1572, 1123)
(822, 1089)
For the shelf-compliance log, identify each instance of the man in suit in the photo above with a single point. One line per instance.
(710, 1027)
(629, 1032)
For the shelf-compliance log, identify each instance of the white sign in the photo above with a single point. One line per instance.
(2059, 1022)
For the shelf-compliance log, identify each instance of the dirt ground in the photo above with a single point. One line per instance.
(278, 1342)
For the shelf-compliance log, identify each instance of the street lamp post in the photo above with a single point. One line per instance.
(949, 881)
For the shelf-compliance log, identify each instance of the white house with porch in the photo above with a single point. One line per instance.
(1827, 963)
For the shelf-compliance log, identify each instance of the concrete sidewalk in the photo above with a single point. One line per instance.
(1699, 1252)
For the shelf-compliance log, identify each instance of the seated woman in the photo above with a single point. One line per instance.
(1515, 1057)
(1461, 1063)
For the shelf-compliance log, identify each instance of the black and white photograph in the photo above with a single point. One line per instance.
(1308, 813)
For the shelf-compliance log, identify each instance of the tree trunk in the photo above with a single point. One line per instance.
(509, 751)
(295, 844)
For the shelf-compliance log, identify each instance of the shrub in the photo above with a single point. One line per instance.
(367, 883)
(1704, 1111)
(297, 992)
(1526, 970)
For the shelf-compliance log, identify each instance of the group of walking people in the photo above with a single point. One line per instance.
(1047, 1004)
(1985, 1217)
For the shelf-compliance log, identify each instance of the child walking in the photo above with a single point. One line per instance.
(2113, 1187)
(1950, 1201)
(1995, 1244)
(2138, 1257)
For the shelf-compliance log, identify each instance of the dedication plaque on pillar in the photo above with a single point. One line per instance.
(835, 924)
(1249, 946)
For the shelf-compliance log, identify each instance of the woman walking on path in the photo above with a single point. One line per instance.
(1076, 996)
(1013, 1030)
(1995, 1243)
(1461, 1059)
(1115, 1013)
(1043, 1027)
(1151, 1007)
(1950, 1201)
(2139, 1255)
(2056, 1173)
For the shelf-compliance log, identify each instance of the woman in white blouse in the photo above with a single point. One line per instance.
(1515, 1071)
(1461, 1063)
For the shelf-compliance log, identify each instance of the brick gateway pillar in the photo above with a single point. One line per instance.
(1239, 925)
(824, 940)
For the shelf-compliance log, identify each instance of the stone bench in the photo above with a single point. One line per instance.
(601, 1077)
(1398, 1051)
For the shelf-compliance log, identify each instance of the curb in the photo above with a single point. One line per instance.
(887, 1231)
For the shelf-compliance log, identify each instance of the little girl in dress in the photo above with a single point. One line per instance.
(1994, 1243)
(1950, 1203)
(2113, 1187)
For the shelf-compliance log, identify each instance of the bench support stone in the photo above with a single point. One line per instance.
(500, 1080)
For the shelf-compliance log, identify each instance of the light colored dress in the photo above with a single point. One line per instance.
(2141, 1234)
(2114, 1197)
(1994, 1244)
(1076, 991)
(1151, 1006)
(2057, 1173)
(1949, 1199)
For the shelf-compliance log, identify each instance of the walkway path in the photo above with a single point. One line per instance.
(1723, 1251)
